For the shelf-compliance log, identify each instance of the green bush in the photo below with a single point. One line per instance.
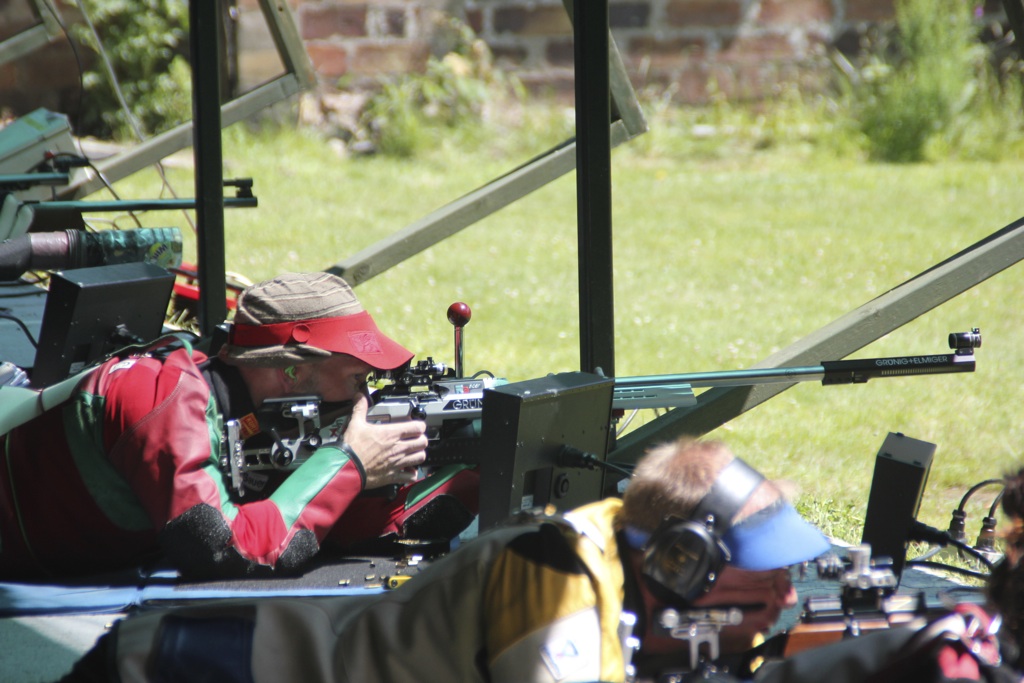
(930, 89)
(925, 89)
(144, 42)
(994, 129)
(453, 93)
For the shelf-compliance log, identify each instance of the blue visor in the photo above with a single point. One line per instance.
(773, 538)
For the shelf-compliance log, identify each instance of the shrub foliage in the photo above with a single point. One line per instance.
(926, 89)
(145, 43)
(923, 90)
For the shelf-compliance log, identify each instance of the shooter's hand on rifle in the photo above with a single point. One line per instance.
(390, 452)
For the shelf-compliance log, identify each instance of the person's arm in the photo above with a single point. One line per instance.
(164, 434)
(388, 453)
(287, 529)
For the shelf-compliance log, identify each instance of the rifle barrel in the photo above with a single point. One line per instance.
(854, 371)
(726, 378)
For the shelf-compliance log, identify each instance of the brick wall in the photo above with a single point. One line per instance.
(745, 47)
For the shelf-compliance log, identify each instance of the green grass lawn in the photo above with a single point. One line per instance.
(724, 253)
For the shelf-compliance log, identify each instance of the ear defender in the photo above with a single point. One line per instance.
(684, 557)
(682, 560)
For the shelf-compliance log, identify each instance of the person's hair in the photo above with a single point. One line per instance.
(672, 479)
(1006, 585)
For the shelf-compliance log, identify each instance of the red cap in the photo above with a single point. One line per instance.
(356, 335)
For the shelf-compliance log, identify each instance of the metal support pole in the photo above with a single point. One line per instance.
(205, 41)
(594, 187)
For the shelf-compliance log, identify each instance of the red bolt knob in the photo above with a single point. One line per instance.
(459, 314)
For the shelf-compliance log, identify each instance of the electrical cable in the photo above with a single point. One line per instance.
(612, 467)
(23, 326)
(52, 157)
(947, 567)
(923, 532)
(132, 120)
(933, 550)
(574, 457)
(995, 503)
(633, 413)
(78, 61)
(81, 83)
(118, 91)
(81, 88)
(958, 520)
(974, 489)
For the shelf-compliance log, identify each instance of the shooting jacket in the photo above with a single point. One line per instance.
(128, 468)
(519, 604)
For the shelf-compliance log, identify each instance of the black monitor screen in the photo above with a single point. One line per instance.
(524, 427)
(91, 312)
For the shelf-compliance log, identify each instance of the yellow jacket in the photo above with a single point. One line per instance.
(530, 603)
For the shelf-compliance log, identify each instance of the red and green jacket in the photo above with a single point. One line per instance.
(128, 469)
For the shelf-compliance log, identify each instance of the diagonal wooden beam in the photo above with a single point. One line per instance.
(851, 332)
(463, 212)
(627, 122)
